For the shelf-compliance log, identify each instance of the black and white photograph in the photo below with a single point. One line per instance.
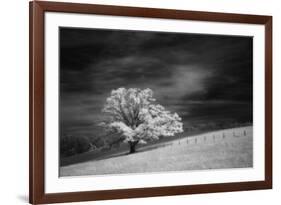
(149, 101)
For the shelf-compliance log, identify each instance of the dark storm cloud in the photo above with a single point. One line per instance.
(202, 77)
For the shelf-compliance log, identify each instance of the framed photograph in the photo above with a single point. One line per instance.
(140, 102)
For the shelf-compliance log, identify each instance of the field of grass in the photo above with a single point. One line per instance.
(230, 148)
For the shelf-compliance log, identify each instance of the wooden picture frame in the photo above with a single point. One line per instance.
(37, 10)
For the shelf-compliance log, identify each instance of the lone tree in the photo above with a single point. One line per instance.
(132, 113)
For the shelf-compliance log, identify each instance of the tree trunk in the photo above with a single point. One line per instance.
(133, 146)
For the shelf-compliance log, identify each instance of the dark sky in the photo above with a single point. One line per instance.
(204, 78)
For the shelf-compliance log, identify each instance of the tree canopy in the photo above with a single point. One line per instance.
(133, 113)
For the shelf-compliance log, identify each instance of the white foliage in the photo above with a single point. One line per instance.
(132, 113)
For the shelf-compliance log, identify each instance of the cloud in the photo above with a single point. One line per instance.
(202, 77)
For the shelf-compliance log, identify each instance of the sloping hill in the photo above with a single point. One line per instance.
(231, 148)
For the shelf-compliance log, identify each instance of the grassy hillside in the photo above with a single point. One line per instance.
(231, 148)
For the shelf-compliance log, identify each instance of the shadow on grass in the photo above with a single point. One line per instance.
(123, 150)
(101, 155)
